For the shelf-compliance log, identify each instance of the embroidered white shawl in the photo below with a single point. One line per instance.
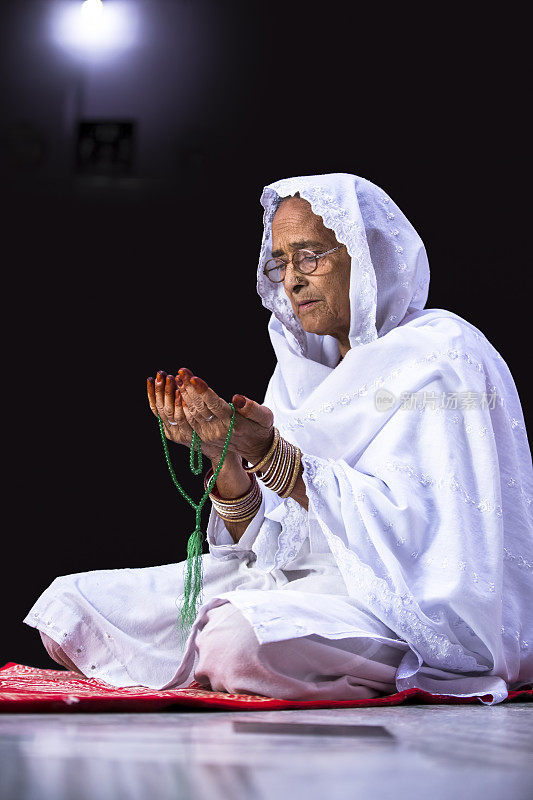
(426, 509)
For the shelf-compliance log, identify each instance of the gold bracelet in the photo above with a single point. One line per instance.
(282, 473)
(272, 472)
(257, 467)
(239, 509)
(295, 474)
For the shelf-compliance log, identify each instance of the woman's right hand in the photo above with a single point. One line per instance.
(165, 401)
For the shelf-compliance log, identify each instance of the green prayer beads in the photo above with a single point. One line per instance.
(196, 449)
(193, 579)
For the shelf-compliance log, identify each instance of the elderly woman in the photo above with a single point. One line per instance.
(370, 528)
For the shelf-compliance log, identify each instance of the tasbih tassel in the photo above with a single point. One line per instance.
(193, 581)
(193, 572)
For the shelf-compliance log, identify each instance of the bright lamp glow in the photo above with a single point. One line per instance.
(92, 11)
(94, 28)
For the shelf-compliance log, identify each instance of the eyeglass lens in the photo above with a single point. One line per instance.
(303, 260)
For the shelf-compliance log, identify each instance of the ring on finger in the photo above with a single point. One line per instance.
(172, 423)
(200, 414)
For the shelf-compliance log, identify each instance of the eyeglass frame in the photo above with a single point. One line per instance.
(300, 250)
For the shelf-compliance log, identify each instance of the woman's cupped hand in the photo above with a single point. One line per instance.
(185, 403)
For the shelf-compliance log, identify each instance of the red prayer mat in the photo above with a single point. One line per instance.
(30, 689)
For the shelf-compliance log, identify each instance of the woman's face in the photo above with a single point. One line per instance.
(295, 227)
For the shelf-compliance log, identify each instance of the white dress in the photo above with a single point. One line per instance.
(418, 539)
(120, 625)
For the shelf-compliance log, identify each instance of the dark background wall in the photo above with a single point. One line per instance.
(124, 258)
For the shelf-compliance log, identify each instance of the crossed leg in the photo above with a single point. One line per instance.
(231, 659)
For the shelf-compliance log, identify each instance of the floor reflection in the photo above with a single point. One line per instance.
(255, 755)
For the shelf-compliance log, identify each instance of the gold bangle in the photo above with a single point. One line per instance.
(286, 468)
(241, 508)
(257, 467)
(276, 467)
(280, 479)
(251, 515)
(295, 474)
(229, 500)
(267, 474)
(290, 471)
(283, 470)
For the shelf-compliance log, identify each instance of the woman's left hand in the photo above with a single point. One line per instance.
(210, 416)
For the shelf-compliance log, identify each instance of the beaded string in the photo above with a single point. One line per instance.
(192, 585)
(196, 447)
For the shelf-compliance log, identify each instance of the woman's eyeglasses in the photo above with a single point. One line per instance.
(304, 261)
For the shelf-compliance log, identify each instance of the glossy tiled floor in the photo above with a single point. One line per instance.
(429, 752)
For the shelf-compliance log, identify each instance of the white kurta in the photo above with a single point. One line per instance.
(120, 625)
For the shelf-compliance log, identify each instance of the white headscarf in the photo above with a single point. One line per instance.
(426, 510)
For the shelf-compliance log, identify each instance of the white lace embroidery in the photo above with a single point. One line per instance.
(329, 407)
(517, 560)
(348, 232)
(453, 483)
(399, 612)
(315, 471)
(448, 481)
(294, 531)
